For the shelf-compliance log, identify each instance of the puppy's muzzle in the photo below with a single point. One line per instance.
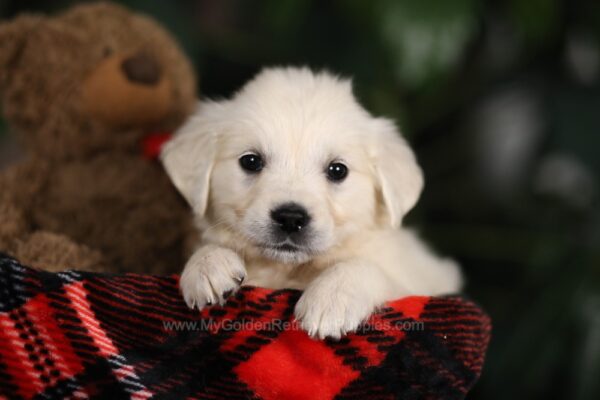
(290, 218)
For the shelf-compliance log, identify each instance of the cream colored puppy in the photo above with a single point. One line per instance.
(295, 185)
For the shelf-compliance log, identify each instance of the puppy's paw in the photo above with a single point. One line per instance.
(330, 308)
(210, 276)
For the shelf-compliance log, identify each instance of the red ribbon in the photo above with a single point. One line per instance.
(153, 143)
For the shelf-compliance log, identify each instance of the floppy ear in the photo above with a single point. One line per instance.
(399, 175)
(188, 159)
(13, 35)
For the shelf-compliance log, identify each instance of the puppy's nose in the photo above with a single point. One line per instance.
(141, 68)
(290, 217)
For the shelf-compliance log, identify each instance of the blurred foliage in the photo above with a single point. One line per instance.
(501, 100)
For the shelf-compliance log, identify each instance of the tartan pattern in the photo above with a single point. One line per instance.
(81, 335)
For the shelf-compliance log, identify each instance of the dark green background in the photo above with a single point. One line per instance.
(501, 101)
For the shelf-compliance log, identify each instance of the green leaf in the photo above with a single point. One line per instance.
(426, 39)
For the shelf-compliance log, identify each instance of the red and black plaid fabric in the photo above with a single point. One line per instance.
(80, 335)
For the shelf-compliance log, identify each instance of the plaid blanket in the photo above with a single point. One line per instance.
(80, 335)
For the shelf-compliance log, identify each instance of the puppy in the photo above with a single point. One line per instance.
(295, 185)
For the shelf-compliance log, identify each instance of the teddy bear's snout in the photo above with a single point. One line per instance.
(142, 68)
(128, 89)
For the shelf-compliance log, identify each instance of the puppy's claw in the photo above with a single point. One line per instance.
(190, 302)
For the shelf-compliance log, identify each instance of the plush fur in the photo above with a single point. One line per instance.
(81, 90)
(351, 257)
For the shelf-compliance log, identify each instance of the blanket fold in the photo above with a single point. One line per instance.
(80, 335)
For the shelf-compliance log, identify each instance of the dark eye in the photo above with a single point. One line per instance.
(107, 52)
(337, 172)
(252, 163)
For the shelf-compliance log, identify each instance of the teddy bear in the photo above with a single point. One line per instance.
(83, 91)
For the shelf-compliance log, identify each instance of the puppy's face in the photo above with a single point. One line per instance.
(293, 166)
(293, 187)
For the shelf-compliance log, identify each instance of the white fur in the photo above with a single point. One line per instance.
(357, 257)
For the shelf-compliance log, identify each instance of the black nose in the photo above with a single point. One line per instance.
(290, 217)
(141, 68)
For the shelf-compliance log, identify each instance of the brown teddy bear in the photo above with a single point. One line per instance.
(83, 90)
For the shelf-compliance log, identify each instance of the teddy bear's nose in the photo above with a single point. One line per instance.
(141, 68)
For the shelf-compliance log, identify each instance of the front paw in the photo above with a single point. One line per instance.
(210, 276)
(330, 308)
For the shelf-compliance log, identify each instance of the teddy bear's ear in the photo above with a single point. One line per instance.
(13, 36)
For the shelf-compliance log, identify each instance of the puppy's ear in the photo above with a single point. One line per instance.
(400, 177)
(188, 159)
(13, 36)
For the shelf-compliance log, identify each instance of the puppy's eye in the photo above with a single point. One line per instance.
(337, 172)
(252, 163)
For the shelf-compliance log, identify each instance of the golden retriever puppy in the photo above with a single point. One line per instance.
(295, 185)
